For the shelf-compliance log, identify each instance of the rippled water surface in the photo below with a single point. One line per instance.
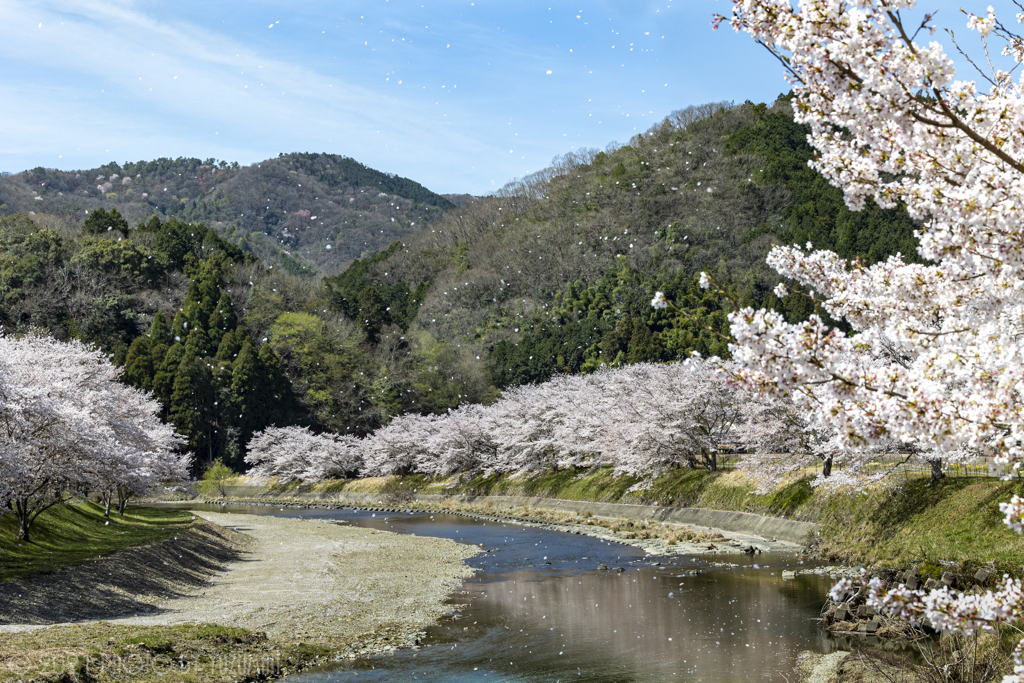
(540, 610)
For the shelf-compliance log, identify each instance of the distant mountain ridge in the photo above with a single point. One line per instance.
(306, 211)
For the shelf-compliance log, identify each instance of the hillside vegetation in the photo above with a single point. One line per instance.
(554, 273)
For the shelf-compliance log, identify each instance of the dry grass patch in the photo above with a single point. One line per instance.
(106, 652)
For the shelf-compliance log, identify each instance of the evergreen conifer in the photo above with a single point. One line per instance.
(138, 367)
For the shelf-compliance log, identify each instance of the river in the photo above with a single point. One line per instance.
(540, 609)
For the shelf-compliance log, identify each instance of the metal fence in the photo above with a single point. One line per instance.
(981, 468)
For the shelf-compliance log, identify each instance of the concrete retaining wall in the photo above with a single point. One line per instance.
(735, 522)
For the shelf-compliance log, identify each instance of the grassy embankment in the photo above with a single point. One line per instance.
(70, 534)
(953, 523)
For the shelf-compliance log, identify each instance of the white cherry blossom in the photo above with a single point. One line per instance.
(893, 123)
(67, 425)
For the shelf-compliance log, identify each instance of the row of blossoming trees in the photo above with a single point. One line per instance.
(69, 428)
(642, 420)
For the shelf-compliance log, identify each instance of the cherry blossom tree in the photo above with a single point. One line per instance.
(461, 441)
(892, 123)
(668, 416)
(291, 453)
(544, 426)
(584, 407)
(149, 451)
(641, 419)
(138, 472)
(67, 425)
(553, 425)
(530, 431)
(780, 441)
(396, 447)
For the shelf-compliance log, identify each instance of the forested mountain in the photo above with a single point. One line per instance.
(553, 274)
(308, 212)
(556, 273)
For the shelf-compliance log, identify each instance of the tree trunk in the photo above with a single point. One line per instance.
(937, 472)
(24, 520)
(106, 504)
(826, 467)
(712, 461)
(123, 494)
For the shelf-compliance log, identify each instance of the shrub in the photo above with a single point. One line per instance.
(216, 477)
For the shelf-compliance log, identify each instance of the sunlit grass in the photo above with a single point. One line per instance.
(73, 533)
(953, 521)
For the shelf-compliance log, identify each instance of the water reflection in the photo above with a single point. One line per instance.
(540, 611)
(643, 624)
(722, 625)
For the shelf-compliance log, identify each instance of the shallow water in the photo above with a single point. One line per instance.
(539, 610)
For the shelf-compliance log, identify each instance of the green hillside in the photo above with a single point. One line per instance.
(554, 273)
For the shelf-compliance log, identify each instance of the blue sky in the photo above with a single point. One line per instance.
(461, 96)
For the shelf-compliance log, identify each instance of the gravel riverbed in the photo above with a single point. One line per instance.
(726, 542)
(297, 580)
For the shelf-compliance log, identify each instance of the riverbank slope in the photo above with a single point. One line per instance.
(951, 524)
(77, 532)
(275, 592)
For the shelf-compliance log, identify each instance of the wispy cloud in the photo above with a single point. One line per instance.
(88, 82)
(144, 79)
